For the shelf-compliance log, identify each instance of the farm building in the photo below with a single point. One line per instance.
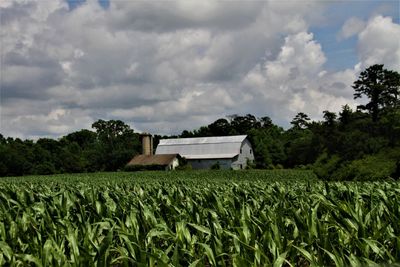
(203, 152)
(147, 160)
(166, 162)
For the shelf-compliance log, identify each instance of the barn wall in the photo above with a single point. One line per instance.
(172, 165)
(175, 163)
(247, 153)
(207, 163)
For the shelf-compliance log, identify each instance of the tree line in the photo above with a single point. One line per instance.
(348, 145)
(108, 148)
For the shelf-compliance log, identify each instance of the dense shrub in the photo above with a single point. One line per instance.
(326, 165)
(45, 168)
(152, 167)
(368, 168)
(215, 166)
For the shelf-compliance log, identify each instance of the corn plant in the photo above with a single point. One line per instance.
(220, 218)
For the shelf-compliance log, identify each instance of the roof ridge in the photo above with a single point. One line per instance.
(204, 140)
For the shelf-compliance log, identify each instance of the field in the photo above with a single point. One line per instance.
(220, 218)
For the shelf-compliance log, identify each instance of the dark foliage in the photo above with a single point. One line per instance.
(152, 167)
(108, 148)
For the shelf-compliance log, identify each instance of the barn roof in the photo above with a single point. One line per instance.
(164, 159)
(202, 147)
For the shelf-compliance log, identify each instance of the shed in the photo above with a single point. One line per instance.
(165, 161)
(203, 152)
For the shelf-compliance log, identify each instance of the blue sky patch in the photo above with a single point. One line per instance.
(342, 53)
(75, 3)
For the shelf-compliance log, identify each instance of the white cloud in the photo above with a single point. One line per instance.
(379, 43)
(297, 82)
(45, 119)
(150, 16)
(165, 68)
(299, 55)
(351, 27)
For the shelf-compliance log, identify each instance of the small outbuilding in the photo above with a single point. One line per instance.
(155, 162)
(228, 152)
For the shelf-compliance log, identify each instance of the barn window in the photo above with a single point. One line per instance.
(240, 151)
(241, 167)
(250, 151)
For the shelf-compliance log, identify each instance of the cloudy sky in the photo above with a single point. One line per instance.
(165, 66)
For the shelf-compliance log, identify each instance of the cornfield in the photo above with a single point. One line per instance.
(220, 218)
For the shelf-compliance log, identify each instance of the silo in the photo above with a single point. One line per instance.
(147, 144)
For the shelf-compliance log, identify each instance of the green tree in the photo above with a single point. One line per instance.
(202, 131)
(330, 118)
(54, 148)
(117, 144)
(265, 122)
(381, 86)
(300, 121)
(2, 139)
(72, 160)
(110, 131)
(84, 138)
(220, 127)
(345, 115)
(184, 134)
(390, 126)
(242, 124)
(15, 156)
(268, 146)
(42, 160)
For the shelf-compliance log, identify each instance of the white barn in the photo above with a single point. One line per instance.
(203, 152)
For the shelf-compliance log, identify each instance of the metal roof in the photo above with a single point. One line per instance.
(153, 159)
(202, 147)
(204, 140)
